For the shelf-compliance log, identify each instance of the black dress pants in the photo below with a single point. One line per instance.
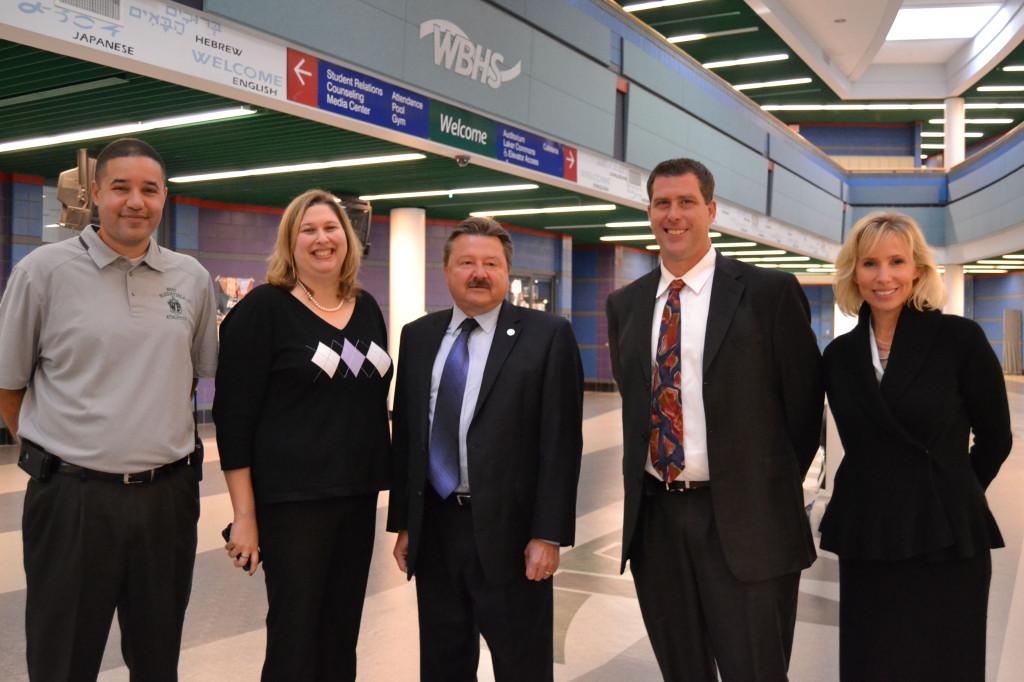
(95, 546)
(457, 604)
(916, 620)
(316, 560)
(696, 612)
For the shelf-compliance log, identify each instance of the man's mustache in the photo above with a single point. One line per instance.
(479, 284)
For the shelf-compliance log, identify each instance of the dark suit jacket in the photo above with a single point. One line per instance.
(763, 402)
(524, 444)
(908, 485)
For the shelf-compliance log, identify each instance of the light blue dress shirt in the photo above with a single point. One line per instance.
(479, 347)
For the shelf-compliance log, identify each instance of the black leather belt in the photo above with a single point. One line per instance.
(654, 485)
(147, 476)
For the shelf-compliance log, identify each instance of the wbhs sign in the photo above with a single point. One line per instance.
(456, 52)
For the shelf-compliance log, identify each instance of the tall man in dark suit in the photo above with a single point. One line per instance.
(487, 439)
(721, 414)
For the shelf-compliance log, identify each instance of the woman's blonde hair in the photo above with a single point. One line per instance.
(281, 262)
(929, 292)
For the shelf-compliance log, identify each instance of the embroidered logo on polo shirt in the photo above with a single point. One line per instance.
(173, 299)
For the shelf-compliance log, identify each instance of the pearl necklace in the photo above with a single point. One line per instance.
(312, 300)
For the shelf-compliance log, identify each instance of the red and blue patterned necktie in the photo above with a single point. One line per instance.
(666, 399)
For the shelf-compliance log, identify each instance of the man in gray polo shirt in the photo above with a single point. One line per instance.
(102, 337)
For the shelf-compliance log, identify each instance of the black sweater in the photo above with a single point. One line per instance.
(304, 434)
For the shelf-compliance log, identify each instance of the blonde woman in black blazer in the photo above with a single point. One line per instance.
(908, 517)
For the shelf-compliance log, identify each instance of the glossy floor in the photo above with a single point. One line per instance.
(599, 635)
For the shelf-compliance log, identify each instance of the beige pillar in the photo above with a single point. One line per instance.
(407, 283)
(954, 281)
(954, 131)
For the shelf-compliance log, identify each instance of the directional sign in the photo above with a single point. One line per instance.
(569, 170)
(302, 78)
(531, 151)
(357, 95)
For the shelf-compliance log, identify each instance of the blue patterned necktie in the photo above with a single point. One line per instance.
(666, 400)
(444, 432)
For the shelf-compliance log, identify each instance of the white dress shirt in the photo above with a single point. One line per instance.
(479, 347)
(694, 303)
(876, 359)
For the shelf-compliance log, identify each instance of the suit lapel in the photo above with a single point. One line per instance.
(879, 396)
(643, 303)
(726, 291)
(509, 319)
(424, 356)
(911, 344)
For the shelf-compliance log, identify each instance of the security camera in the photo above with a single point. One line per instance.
(462, 160)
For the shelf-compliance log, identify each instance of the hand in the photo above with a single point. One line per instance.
(541, 559)
(244, 545)
(402, 551)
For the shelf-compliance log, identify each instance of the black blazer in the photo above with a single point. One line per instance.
(763, 402)
(908, 484)
(525, 442)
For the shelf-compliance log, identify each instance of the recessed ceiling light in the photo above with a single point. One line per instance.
(122, 129)
(771, 84)
(297, 167)
(653, 247)
(1014, 67)
(1014, 256)
(938, 23)
(1001, 88)
(548, 209)
(769, 252)
(930, 145)
(940, 133)
(447, 192)
(888, 106)
(733, 245)
(744, 61)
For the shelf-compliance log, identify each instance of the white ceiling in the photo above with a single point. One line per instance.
(854, 59)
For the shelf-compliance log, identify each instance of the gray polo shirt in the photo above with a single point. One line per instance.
(107, 350)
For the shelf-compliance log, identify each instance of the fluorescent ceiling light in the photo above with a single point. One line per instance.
(1014, 67)
(734, 245)
(122, 129)
(1014, 256)
(938, 23)
(1000, 263)
(940, 133)
(766, 265)
(930, 145)
(1001, 88)
(974, 121)
(769, 252)
(298, 167)
(641, 6)
(744, 61)
(653, 247)
(782, 259)
(714, 235)
(800, 266)
(924, 156)
(447, 192)
(986, 272)
(771, 84)
(549, 209)
(994, 105)
(627, 238)
(888, 106)
(630, 223)
(690, 37)
(63, 91)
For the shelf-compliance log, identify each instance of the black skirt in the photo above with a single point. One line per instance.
(917, 620)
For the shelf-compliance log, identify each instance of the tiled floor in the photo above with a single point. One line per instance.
(599, 633)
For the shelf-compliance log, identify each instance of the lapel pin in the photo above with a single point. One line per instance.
(510, 331)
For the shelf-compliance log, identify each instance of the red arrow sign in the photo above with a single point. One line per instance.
(570, 162)
(302, 77)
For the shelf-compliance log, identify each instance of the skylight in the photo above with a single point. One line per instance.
(936, 23)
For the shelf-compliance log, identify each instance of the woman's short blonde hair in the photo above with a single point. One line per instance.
(281, 271)
(929, 292)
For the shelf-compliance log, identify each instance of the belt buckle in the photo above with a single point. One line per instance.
(462, 499)
(127, 479)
